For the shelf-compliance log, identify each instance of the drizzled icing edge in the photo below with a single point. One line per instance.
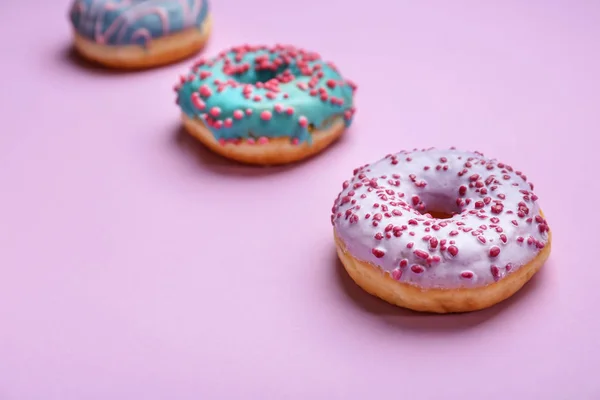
(125, 22)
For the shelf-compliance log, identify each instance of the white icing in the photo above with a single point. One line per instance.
(440, 193)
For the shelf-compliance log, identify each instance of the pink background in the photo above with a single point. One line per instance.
(137, 265)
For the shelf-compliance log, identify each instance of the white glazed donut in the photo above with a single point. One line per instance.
(440, 230)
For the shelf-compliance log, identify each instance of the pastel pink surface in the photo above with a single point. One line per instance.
(137, 265)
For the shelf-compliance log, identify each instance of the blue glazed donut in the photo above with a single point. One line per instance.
(140, 23)
(253, 95)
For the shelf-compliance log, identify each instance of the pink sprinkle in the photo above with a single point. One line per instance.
(238, 114)
(421, 254)
(205, 91)
(266, 115)
(453, 250)
(397, 274)
(249, 111)
(497, 208)
(278, 108)
(467, 274)
(289, 111)
(433, 242)
(228, 122)
(303, 122)
(378, 253)
(494, 251)
(417, 269)
(295, 141)
(495, 272)
(198, 102)
(263, 140)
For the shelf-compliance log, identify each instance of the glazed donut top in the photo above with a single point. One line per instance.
(383, 216)
(137, 22)
(259, 92)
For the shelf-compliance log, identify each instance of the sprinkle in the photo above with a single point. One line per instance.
(453, 250)
(421, 254)
(215, 111)
(417, 269)
(494, 251)
(198, 102)
(378, 253)
(205, 91)
(495, 272)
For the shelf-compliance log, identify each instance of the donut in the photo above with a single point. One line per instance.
(440, 231)
(265, 105)
(134, 34)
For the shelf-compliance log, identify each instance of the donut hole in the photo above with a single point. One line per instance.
(262, 75)
(439, 214)
(438, 206)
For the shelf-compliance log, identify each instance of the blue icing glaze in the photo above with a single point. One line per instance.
(287, 90)
(123, 22)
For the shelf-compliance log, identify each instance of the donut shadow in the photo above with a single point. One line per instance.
(216, 163)
(404, 319)
(70, 56)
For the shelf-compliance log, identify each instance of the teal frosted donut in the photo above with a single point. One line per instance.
(256, 94)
